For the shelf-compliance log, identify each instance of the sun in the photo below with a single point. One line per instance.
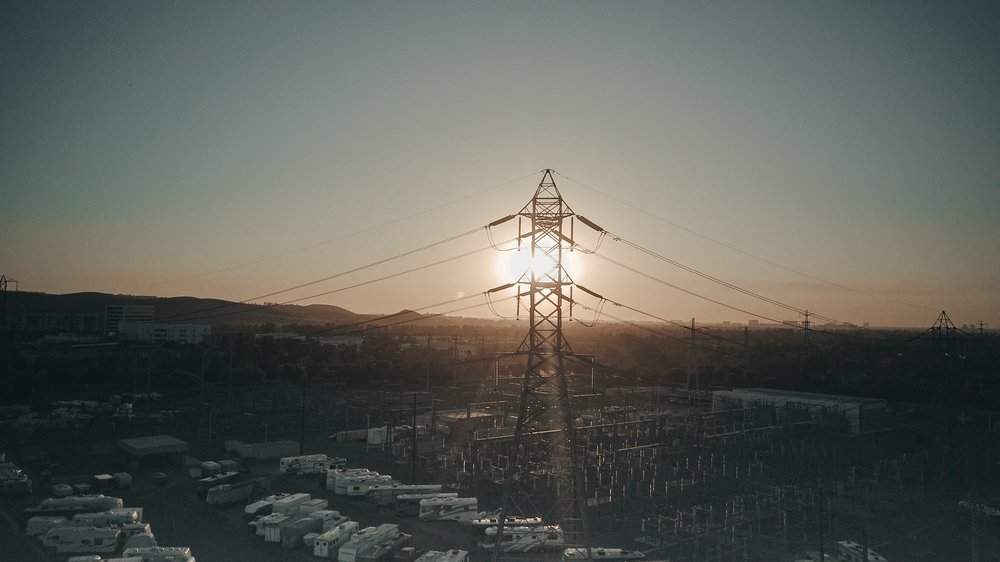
(513, 265)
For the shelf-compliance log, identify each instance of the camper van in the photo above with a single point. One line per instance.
(111, 518)
(365, 539)
(493, 520)
(601, 554)
(524, 539)
(261, 507)
(358, 487)
(850, 551)
(464, 510)
(327, 544)
(385, 494)
(310, 464)
(160, 553)
(82, 539)
(438, 556)
(409, 504)
(333, 474)
(71, 505)
(204, 484)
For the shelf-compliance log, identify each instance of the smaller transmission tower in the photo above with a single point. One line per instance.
(4, 280)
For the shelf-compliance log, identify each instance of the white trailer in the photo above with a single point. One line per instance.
(365, 539)
(291, 503)
(509, 521)
(385, 494)
(327, 544)
(82, 539)
(333, 473)
(261, 507)
(159, 554)
(464, 510)
(313, 505)
(386, 550)
(601, 554)
(225, 494)
(850, 551)
(111, 518)
(454, 555)
(359, 486)
(409, 504)
(274, 523)
(305, 464)
(329, 518)
(524, 539)
(71, 505)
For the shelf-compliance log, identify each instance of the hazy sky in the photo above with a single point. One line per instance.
(855, 142)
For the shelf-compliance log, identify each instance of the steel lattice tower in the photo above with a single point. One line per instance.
(545, 421)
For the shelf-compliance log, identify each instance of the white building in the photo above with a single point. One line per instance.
(854, 414)
(161, 333)
(114, 314)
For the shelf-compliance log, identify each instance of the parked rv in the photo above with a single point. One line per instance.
(385, 494)
(333, 474)
(601, 554)
(524, 539)
(225, 494)
(261, 507)
(329, 542)
(409, 504)
(71, 505)
(211, 481)
(850, 551)
(359, 486)
(365, 539)
(493, 520)
(310, 464)
(83, 539)
(464, 510)
(386, 550)
(160, 554)
(449, 556)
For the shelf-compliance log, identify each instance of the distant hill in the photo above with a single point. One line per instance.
(61, 312)
(182, 310)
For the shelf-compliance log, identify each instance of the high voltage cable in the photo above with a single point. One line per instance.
(410, 311)
(672, 337)
(340, 289)
(744, 252)
(729, 306)
(723, 282)
(337, 238)
(704, 275)
(329, 277)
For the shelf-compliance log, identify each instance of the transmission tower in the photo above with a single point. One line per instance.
(545, 430)
(4, 280)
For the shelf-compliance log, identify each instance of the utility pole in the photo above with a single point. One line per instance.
(806, 324)
(545, 426)
(692, 362)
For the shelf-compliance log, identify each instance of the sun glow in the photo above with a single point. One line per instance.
(513, 265)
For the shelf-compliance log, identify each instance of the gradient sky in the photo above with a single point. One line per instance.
(856, 142)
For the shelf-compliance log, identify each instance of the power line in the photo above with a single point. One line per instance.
(340, 289)
(744, 252)
(330, 277)
(336, 238)
(718, 302)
